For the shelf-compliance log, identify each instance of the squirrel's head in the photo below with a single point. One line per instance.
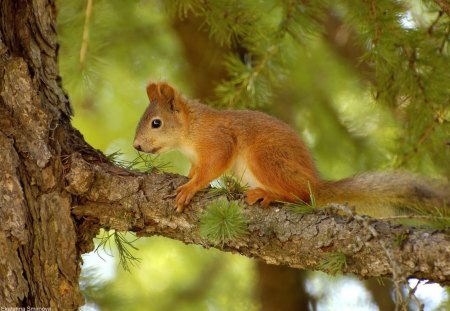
(162, 124)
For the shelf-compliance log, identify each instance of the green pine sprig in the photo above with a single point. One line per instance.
(302, 207)
(333, 263)
(222, 222)
(229, 186)
(123, 245)
(145, 163)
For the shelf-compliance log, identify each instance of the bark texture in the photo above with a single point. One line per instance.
(56, 192)
(145, 204)
(39, 266)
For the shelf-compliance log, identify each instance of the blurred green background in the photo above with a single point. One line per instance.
(366, 84)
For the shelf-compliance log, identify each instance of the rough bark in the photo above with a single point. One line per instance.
(39, 265)
(56, 192)
(145, 204)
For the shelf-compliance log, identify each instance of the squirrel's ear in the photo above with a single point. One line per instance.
(166, 91)
(152, 92)
(170, 97)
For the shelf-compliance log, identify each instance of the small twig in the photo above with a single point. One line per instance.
(426, 133)
(84, 43)
(406, 217)
(373, 15)
(267, 57)
(401, 303)
(444, 40)
(126, 258)
(412, 296)
(256, 71)
(445, 6)
(430, 29)
(395, 268)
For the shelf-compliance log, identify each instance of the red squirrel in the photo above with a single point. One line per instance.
(267, 156)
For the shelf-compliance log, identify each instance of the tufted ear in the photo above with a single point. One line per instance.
(167, 93)
(166, 96)
(152, 92)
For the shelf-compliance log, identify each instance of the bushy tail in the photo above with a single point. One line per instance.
(386, 194)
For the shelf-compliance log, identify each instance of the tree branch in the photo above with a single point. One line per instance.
(445, 6)
(123, 200)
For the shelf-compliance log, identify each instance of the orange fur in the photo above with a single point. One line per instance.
(266, 153)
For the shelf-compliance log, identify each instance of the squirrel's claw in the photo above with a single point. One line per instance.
(184, 196)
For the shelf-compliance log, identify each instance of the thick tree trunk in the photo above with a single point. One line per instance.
(56, 191)
(40, 263)
(283, 288)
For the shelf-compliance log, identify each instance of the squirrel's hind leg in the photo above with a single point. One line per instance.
(280, 177)
(254, 195)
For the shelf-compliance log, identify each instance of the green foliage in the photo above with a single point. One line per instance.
(407, 54)
(400, 238)
(259, 30)
(223, 221)
(441, 219)
(412, 73)
(254, 73)
(380, 281)
(437, 218)
(302, 207)
(445, 305)
(226, 21)
(123, 246)
(143, 162)
(333, 263)
(229, 186)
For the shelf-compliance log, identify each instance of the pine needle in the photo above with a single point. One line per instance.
(123, 246)
(145, 163)
(302, 207)
(229, 186)
(223, 222)
(334, 263)
(85, 41)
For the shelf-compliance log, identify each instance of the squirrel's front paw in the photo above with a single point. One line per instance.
(184, 196)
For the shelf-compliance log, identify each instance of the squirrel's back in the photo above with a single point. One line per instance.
(266, 153)
(247, 125)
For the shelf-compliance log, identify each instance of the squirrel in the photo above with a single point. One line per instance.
(268, 156)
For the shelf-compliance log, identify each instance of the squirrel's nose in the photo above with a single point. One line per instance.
(137, 146)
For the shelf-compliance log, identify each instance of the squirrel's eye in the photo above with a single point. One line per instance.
(156, 123)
